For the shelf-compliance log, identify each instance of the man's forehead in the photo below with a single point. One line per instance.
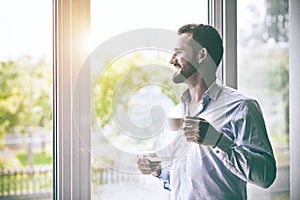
(185, 40)
(184, 37)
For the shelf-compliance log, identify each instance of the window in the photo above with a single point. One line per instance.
(263, 73)
(26, 99)
(131, 81)
(78, 76)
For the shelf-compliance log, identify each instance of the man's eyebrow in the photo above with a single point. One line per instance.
(177, 49)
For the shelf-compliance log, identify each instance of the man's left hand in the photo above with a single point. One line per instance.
(200, 131)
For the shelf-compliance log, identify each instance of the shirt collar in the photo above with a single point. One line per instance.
(212, 92)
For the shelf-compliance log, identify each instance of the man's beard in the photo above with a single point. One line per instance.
(180, 77)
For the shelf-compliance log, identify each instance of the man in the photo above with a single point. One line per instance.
(229, 145)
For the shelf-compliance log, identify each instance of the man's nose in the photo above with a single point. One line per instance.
(173, 60)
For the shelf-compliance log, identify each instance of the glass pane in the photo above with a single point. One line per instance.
(263, 72)
(132, 43)
(26, 99)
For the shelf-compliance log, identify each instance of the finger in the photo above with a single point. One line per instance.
(190, 129)
(143, 161)
(189, 133)
(192, 121)
(194, 129)
(144, 167)
(146, 171)
(197, 137)
(155, 168)
(190, 136)
(193, 136)
(152, 163)
(140, 160)
(192, 124)
(190, 139)
(195, 121)
(148, 165)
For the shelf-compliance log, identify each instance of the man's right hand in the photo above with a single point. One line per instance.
(149, 167)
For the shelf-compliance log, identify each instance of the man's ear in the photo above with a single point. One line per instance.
(202, 55)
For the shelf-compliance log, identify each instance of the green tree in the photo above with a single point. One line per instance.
(264, 40)
(25, 97)
(279, 80)
(277, 20)
(266, 21)
(9, 97)
(276, 23)
(123, 76)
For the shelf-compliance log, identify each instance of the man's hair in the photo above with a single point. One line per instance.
(208, 37)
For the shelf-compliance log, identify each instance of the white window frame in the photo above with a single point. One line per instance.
(222, 15)
(294, 71)
(72, 160)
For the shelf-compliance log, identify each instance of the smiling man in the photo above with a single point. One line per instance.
(226, 129)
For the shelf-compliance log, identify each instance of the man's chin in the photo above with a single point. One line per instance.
(178, 78)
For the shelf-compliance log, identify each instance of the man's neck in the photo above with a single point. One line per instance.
(197, 87)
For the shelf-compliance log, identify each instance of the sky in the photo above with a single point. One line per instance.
(26, 25)
(118, 16)
(25, 29)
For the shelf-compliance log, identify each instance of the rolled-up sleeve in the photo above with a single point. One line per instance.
(245, 148)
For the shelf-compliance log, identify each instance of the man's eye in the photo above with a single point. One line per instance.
(178, 53)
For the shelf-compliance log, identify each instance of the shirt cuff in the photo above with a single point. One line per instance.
(225, 143)
(164, 174)
(165, 177)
